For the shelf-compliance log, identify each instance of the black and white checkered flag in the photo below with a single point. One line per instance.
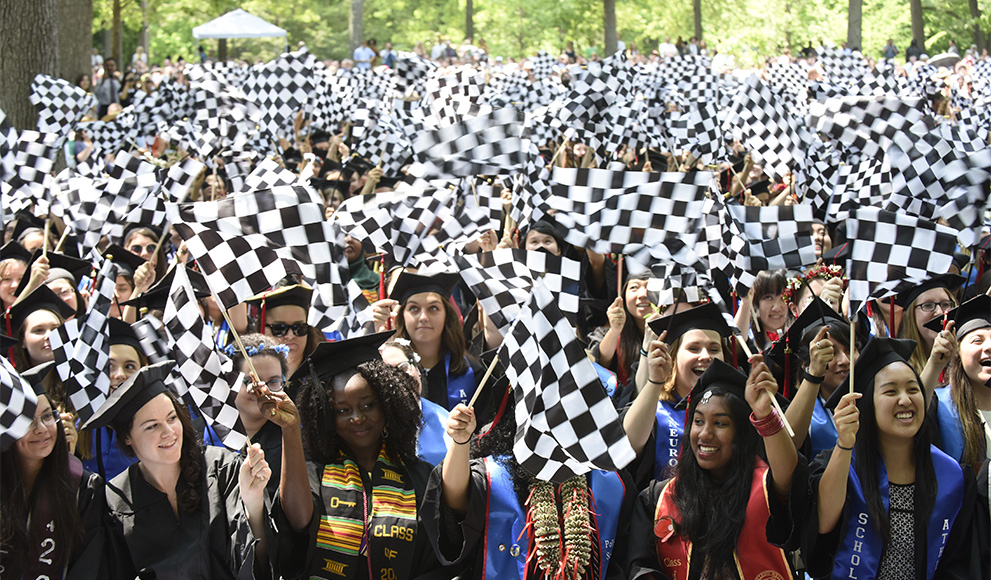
(488, 144)
(502, 280)
(841, 67)
(859, 182)
(209, 375)
(281, 88)
(357, 318)
(153, 338)
(82, 348)
(268, 174)
(867, 123)
(768, 238)
(60, 104)
(18, 403)
(543, 65)
(887, 248)
(566, 423)
(769, 130)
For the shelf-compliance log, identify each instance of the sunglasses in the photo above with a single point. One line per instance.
(279, 329)
(150, 248)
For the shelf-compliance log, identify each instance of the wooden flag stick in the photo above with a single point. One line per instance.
(853, 343)
(774, 400)
(44, 245)
(61, 240)
(559, 150)
(485, 379)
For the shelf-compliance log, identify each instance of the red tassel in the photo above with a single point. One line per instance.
(787, 390)
(891, 308)
(382, 276)
(733, 342)
(261, 317)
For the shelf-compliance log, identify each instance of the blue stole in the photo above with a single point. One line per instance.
(950, 427)
(113, 459)
(822, 431)
(431, 446)
(859, 553)
(459, 389)
(607, 378)
(505, 545)
(670, 429)
(221, 336)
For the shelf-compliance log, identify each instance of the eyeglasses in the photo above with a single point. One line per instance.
(48, 419)
(280, 329)
(65, 293)
(150, 248)
(931, 306)
(274, 385)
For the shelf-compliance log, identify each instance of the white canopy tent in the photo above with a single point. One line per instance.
(237, 24)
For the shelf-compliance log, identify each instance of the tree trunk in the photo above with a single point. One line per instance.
(470, 20)
(697, 9)
(975, 16)
(918, 26)
(28, 46)
(855, 22)
(609, 20)
(356, 24)
(75, 42)
(116, 37)
(143, 39)
(222, 50)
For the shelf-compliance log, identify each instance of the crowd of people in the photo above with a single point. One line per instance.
(848, 446)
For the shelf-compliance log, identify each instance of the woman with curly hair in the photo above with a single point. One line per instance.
(182, 511)
(360, 419)
(730, 510)
(52, 508)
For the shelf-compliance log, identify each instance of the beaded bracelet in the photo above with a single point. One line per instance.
(769, 425)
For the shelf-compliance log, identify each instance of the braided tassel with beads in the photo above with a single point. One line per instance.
(546, 527)
(577, 528)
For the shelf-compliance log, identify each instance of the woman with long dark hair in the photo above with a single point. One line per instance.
(730, 509)
(30, 320)
(182, 511)
(52, 508)
(878, 508)
(618, 346)
(358, 516)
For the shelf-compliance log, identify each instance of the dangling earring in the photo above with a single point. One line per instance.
(385, 432)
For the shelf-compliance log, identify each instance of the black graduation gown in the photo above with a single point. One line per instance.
(88, 559)
(783, 528)
(297, 550)
(214, 543)
(435, 388)
(460, 545)
(269, 437)
(961, 554)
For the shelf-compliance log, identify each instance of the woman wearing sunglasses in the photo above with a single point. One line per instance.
(282, 316)
(268, 358)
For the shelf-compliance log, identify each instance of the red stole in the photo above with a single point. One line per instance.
(762, 561)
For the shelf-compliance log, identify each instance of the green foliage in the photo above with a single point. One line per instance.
(750, 30)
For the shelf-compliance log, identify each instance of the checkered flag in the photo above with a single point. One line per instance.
(887, 248)
(455, 96)
(153, 338)
(596, 90)
(859, 182)
(768, 238)
(816, 176)
(268, 174)
(82, 348)
(209, 375)
(178, 179)
(31, 159)
(543, 65)
(698, 132)
(769, 131)
(841, 67)
(488, 144)
(866, 123)
(60, 104)
(18, 403)
(412, 72)
(502, 280)
(357, 319)
(625, 212)
(566, 423)
(281, 88)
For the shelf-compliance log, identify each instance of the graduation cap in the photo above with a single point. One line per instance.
(156, 230)
(658, 162)
(877, 354)
(816, 315)
(134, 393)
(837, 255)
(128, 261)
(759, 187)
(392, 181)
(24, 222)
(36, 376)
(42, 298)
(720, 374)
(334, 358)
(122, 333)
(972, 315)
(319, 136)
(949, 281)
(409, 284)
(14, 250)
(158, 295)
(296, 295)
(60, 267)
(705, 317)
(6, 342)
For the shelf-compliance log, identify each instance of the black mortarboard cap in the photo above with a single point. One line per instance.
(319, 136)
(128, 262)
(816, 315)
(705, 317)
(877, 354)
(14, 250)
(837, 255)
(720, 374)
(36, 376)
(296, 295)
(908, 295)
(758, 187)
(122, 333)
(158, 295)
(409, 284)
(75, 268)
(333, 358)
(26, 221)
(42, 298)
(134, 393)
(972, 315)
